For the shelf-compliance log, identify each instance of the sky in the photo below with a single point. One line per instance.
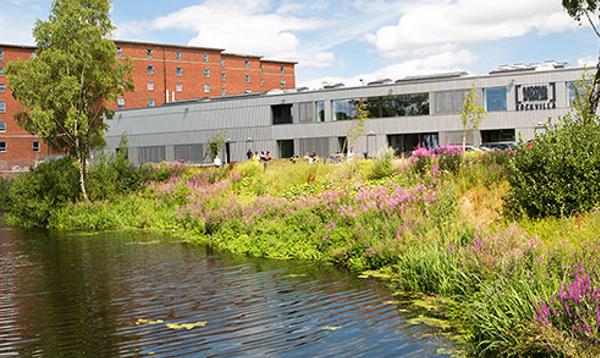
(346, 41)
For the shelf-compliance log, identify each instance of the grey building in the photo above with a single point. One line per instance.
(402, 114)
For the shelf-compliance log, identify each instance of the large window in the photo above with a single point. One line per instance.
(406, 143)
(343, 109)
(320, 111)
(495, 99)
(498, 135)
(449, 102)
(282, 114)
(306, 112)
(193, 153)
(155, 154)
(416, 104)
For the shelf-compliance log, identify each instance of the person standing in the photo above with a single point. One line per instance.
(217, 162)
(249, 154)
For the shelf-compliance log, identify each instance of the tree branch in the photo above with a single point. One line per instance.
(587, 14)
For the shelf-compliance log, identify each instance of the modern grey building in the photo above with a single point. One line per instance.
(403, 114)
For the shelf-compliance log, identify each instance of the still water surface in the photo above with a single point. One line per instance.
(81, 296)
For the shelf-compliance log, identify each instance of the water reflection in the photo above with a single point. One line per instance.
(82, 296)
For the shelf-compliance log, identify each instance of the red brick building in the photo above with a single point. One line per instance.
(162, 74)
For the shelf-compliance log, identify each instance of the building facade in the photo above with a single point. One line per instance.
(403, 114)
(162, 74)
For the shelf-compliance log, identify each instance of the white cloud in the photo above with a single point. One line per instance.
(426, 25)
(587, 61)
(250, 26)
(449, 61)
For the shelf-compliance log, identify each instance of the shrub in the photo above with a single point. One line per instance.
(114, 175)
(4, 193)
(559, 174)
(35, 194)
(383, 167)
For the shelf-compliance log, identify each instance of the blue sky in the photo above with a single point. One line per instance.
(348, 40)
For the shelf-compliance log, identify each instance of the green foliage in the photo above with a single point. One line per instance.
(560, 174)
(34, 195)
(5, 185)
(384, 164)
(67, 87)
(578, 8)
(215, 144)
(113, 175)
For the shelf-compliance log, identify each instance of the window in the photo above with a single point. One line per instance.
(206, 89)
(2, 88)
(262, 83)
(248, 90)
(155, 154)
(222, 63)
(2, 126)
(306, 112)
(498, 135)
(282, 83)
(406, 143)
(119, 52)
(2, 107)
(179, 71)
(282, 68)
(206, 57)
(223, 76)
(207, 73)
(179, 87)
(2, 147)
(1, 54)
(178, 55)
(343, 109)
(223, 91)
(286, 148)
(573, 89)
(1, 71)
(247, 78)
(495, 99)
(150, 69)
(150, 85)
(282, 114)
(320, 111)
(247, 63)
(449, 102)
(151, 102)
(149, 53)
(416, 104)
(35, 146)
(121, 103)
(261, 67)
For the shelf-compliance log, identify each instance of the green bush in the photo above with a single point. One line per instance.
(383, 167)
(114, 175)
(47, 187)
(559, 175)
(4, 193)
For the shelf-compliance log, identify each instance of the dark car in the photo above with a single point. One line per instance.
(499, 146)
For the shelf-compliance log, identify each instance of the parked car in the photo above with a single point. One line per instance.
(499, 146)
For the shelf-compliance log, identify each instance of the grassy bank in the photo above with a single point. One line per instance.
(428, 225)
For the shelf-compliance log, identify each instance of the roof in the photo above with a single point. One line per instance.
(28, 47)
(279, 61)
(240, 55)
(167, 45)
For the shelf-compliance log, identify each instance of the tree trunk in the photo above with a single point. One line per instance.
(81, 163)
(595, 95)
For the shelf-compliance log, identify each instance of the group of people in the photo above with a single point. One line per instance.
(263, 156)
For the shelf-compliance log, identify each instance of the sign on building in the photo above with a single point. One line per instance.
(536, 97)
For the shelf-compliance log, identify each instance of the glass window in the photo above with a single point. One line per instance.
(282, 68)
(498, 135)
(406, 143)
(286, 148)
(1, 71)
(2, 88)
(223, 91)
(151, 102)
(206, 89)
(2, 107)
(222, 63)
(282, 114)
(262, 83)
(261, 67)
(343, 109)
(449, 102)
(2, 147)
(150, 69)
(223, 76)
(179, 87)
(206, 57)
(1, 54)
(247, 63)
(574, 88)
(282, 83)
(178, 55)
(121, 102)
(247, 78)
(320, 111)
(119, 52)
(2, 126)
(149, 53)
(150, 85)
(35, 146)
(206, 72)
(496, 99)
(179, 71)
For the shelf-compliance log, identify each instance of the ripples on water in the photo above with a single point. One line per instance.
(82, 296)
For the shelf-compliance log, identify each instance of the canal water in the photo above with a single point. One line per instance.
(133, 295)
